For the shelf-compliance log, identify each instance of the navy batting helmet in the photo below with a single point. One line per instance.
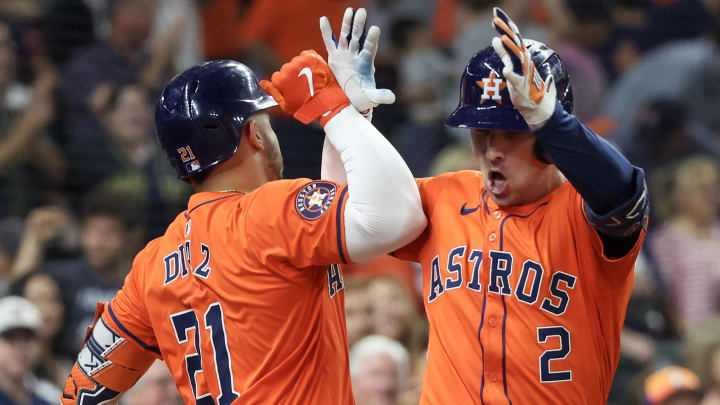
(484, 98)
(200, 115)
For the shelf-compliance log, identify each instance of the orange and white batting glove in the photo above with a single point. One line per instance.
(533, 98)
(306, 88)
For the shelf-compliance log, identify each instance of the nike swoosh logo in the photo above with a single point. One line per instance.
(465, 211)
(308, 75)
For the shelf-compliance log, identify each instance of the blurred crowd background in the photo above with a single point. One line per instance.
(84, 185)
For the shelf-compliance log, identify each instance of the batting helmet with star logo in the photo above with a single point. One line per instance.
(484, 98)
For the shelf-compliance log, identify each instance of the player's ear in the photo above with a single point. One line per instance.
(252, 132)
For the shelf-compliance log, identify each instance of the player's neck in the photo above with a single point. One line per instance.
(236, 173)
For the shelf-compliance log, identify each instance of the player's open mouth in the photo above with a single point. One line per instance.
(497, 182)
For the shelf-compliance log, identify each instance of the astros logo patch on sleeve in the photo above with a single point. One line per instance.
(315, 199)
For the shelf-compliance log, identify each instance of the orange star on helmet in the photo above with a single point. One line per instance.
(492, 86)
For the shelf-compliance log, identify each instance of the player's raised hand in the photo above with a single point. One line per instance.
(353, 60)
(306, 88)
(531, 96)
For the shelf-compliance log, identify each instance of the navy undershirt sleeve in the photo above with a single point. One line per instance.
(598, 171)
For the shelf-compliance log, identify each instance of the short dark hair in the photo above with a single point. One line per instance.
(200, 177)
(121, 206)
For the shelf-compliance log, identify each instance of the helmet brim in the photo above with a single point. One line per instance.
(486, 117)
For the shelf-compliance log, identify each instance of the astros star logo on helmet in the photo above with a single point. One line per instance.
(491, 85)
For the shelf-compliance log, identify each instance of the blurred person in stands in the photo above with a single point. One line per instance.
(454, 157)
(648, 331)
(136, 166)
(386, 13)
(424, 76)
(703, 357)
(30, 163)
(42, 227)
(685, 245)
(358, 319)
(155, 387)
(687, 70)
(379, 368)
(19, 349)
(661, 133)
(119, 58)
(672, 385)
(584, 31)
(109, 237)
(43, 291)
(11, 231)
(395, 314)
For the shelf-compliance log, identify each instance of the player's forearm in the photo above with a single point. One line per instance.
(332, 166)
(599, 172)
(384, 210)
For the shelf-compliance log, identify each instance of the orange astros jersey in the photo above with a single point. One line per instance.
(523, 306)
(239, 299)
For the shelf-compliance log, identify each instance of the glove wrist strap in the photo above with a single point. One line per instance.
(330, 99)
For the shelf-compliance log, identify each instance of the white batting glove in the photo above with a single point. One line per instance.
(354, 68)
(533, 98)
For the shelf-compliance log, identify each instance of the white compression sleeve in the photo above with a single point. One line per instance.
(383, 211)
(332, 166)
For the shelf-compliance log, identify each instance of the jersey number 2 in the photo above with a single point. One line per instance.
(187, 320)
(543, 334)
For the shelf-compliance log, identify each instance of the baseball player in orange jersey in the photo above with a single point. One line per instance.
(242, 297)
(528, 263)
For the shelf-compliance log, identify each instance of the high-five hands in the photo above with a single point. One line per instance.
(354, 68)
(306, 88)
(533, 97)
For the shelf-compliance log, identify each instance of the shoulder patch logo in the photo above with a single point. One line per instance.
(315, 199)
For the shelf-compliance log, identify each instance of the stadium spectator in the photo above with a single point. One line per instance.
(703, 356)
(386, 13)
(155, 387)
(661, 133)
(672, 385)
(685, 245)
(178, 21)
(585, 32)
(136, 167)
(395, 314)
(689, 73)
(647, 333)
(11, 231)
(120, 58)
(424, 75)
(109, 235)
(44, 292)
(43, 226)
(379, 367)
(24, 117)
(19, 348)
(358, 319)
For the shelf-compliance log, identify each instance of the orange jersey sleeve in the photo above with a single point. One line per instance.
(300, 222)
(128, 311)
